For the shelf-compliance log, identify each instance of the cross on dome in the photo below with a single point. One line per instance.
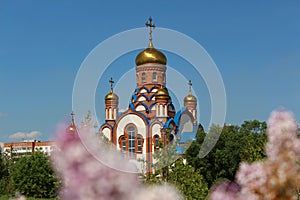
(111, 83)
(151, 26)
(190, 86)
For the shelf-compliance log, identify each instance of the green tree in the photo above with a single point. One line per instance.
(235, 144)
(33, 176)
(5, 183)
(169, 167)
(165, 156)
(188, 180)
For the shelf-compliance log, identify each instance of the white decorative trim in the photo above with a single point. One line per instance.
(143, 91)
(142, 98)
(137, 121)
(140, 108)
(106, 133)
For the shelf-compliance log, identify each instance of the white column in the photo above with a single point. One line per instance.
(166, 111)
(110, 113)
(161, 110)
(115, 113)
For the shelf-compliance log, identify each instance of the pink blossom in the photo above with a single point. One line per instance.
(161, 192)
(253, 176)
(91, 170)
(225, 191)
(277, 177)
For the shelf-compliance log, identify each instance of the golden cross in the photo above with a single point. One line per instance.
(111, 83)
(152, 26)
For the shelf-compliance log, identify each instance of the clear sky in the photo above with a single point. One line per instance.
(255, 44)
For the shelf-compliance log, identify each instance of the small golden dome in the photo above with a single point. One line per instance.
(111, 96)
(162, 94)
(150, 55)
(190, 98)
(71, 128)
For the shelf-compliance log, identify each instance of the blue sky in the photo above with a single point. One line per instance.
(255, 44)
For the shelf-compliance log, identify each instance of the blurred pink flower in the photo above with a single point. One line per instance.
(225, 191)
(90, 170)
(277, 177)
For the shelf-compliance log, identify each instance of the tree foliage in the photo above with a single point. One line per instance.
(170, 167)
(235, 144)
(184, 177)
(188, 180)
(33, 176)
(4, 174)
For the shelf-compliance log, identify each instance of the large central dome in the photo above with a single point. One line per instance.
(150, 55)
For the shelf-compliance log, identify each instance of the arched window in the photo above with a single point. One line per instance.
(131, 141)
(143, 77)
(139, 144)
(156, 142)
(123, 145)
(154, 77)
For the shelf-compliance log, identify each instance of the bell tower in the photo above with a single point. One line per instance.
(111, 105)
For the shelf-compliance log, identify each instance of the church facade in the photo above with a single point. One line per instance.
(142, 128)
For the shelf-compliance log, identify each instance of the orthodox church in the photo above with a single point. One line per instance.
(140, 130)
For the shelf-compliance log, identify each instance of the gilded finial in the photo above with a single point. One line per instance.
(111, 84)
(151, 26)
(190, 86)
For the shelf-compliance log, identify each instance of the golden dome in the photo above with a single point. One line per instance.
(190, 98)
(150, 55)
(71, 128)
(162, 94)
(111, 96)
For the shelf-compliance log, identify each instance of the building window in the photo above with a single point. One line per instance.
(123, 145)
(154, 77)
(139, 144)
(143, 77)
(131, 141)
(156, 142)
